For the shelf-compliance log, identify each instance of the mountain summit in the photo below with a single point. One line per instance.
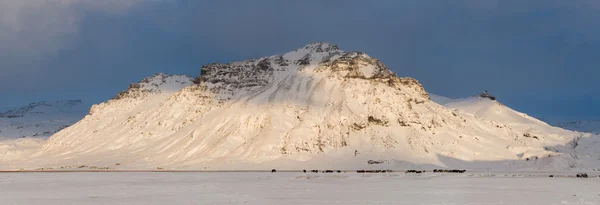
(316, 106)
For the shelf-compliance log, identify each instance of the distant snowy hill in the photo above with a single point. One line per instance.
(315, 107)
(40, 119)
(589, 126)
(25, 129)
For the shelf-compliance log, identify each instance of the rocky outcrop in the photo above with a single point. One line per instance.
(487, 95)
(156, 83)
(358, 65)
(229, 80)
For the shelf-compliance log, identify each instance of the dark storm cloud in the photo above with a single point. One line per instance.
(537, 56)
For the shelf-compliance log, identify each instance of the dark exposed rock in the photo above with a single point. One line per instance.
(321, 47)
(376, 121)
(530, 136)
(352, 62)
(485, 94)
(449, 171)
(414, 171)
(304, 60)
(374, 171)
(375, 162)
(403, 123)
(231, 77)
(358, 126)
(550, 149)
(264, 65)
(137, 90)
(281, 61)
(249, 75)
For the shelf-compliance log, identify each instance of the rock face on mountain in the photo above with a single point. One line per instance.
(156, 84)
(317, 106)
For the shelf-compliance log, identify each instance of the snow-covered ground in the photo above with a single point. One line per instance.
(295, 188)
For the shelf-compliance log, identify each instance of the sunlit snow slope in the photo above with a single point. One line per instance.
(315, 107)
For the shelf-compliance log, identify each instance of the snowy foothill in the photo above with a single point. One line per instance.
(296, 188)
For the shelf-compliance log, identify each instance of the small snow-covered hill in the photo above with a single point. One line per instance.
(315, 107)
(582, 151)
(494, 111)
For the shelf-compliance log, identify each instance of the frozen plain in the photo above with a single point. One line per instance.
(296, 188)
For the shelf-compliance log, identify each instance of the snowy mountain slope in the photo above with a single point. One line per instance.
(317, 106)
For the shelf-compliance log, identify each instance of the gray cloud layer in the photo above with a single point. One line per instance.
(537, 56)
(40, 27)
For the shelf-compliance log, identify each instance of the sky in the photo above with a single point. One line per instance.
(538, 57)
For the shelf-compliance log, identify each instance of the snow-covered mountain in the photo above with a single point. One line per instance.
(589, 126)
(25, 129)
(315, 107)
(40, 119)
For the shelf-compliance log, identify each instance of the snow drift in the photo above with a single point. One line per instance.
(317, 106)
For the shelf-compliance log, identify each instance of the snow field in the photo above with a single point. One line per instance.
(293, 188)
